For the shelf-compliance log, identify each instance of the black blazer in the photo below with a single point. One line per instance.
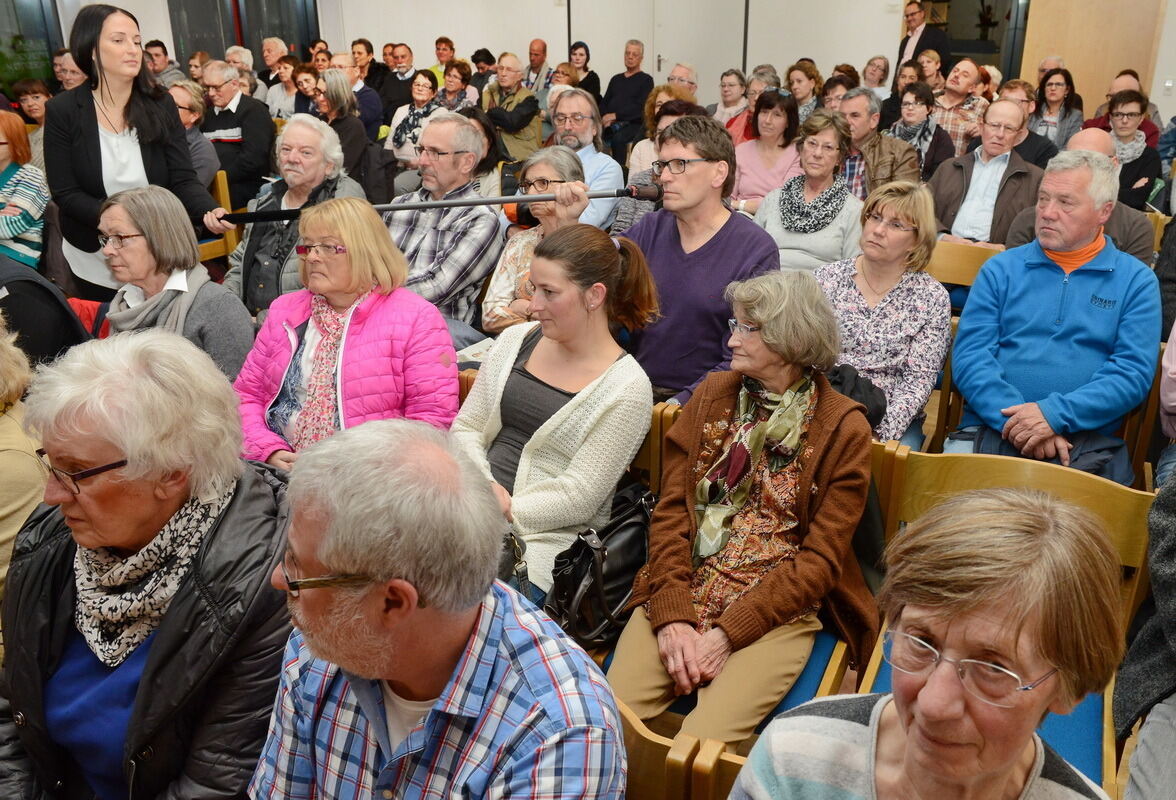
(73, 164)
(931, 39)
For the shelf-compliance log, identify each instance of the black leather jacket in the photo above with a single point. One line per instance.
(204, 700)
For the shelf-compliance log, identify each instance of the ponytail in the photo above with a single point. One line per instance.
(633, 304)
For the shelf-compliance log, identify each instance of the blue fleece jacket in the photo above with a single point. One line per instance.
(1082, 346)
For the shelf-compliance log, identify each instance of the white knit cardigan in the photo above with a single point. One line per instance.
(569, 469)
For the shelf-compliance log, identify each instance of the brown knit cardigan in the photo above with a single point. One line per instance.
(835, 478)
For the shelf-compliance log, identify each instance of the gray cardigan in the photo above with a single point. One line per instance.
(837, 241)
(219, 325)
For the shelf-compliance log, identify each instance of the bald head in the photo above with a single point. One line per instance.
(1122, 84)
(1093, 139)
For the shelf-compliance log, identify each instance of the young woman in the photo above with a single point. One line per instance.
(770, 158)
(589, 81)
(805, 82)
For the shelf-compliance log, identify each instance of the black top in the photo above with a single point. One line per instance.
(376, 73)
(591, 84)
(395, 92)
(354, 139)
(626, 96)
(37, 312)
(932, 38)
(1147, 166)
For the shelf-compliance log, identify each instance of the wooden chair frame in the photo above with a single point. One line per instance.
(658, 767)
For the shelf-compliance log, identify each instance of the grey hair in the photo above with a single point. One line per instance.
(441, 529)
(329, 143)
(767, 78)
(196, 104)
(1104, 177)
(562, 159)
(869, 94)
(155, 396)
(795, 319)
(339, 93)
(466, 136)
(276, 40)
(244, 52)
(637, 42)
(737, 74)
(575, 91)
(691, 69)
(1061, 61)
(224, 69)
(161, 218)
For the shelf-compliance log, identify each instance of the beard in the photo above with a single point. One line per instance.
(344, 637)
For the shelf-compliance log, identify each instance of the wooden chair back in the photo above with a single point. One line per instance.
(713, 774)
(659, 768)
(220, 193)
(953, 262)
(465, 382)
(1159, 223)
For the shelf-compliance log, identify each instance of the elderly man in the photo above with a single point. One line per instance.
(623, 106)
(450, 251)
(1130, 230)
(1033, 147)
(240, 130)
(371, 71)
(684, 75)
(873, 159)
(397, 88)
(695, 246)
(513, 108)
(189, 99)
(371, 110)
(310, 161)
(424, 677)
(577, 125)
(957, 110)
(1126, 80)
(272, 48)
(1060, 337)
(163, 68)
(977, 195)
(242, 58)
(921, 36)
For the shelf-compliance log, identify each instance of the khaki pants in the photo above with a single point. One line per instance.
(752, 682)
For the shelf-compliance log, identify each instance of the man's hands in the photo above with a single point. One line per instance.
(1027, 430)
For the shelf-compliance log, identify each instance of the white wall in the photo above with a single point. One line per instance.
(154, 22)
(1165, 64)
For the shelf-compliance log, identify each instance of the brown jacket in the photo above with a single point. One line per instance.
(835, 480)
(1018, 190)
(889, 159)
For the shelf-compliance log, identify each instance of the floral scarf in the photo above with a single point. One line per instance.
(409, 129)
(316, 419)
(121, 600)
(800, 217)
(1127, 152)
(762, 419)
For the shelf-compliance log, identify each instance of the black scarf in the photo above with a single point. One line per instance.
(800, 217)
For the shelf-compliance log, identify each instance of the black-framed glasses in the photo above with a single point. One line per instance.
(989, 682)
(742, 327)
(217, 87)
(293, 587)
(1123, 116)
(434, 153)
(540, 184)
(70, 479)
(676, 166)
(119, 240)
(323, 250)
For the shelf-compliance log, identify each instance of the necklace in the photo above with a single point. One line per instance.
(861, 270)
(105, 116)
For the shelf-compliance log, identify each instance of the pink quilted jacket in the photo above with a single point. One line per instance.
(398, 361)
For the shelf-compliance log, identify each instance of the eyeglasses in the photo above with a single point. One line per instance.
(119, 240)
(564, 119)
(539, 184)
(996, 127)
(323, 250)
(293, 587)
(1124, 116)
(814, 146)
(993, 684)
(676, 166)
(911, 104)
(215, 87)
(743, 328)
(70, 479)
(434, 154)
(893, 224)
(1056, 85)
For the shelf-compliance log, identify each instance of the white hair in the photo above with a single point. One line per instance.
(689, 68)
(244, 52)
(440, 528)
(274, 40)
(224, 69)
(1061, 61)
(874, 105)
(1104, 177)
(158, 398)
(330, 145)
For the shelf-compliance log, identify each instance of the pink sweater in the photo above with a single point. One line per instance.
(398, 361)
(754, 179)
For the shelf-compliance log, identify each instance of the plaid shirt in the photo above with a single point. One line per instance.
(526, 715)
(854, 170)
(959, 120)
(449, 250)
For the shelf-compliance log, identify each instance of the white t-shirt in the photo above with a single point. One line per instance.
(402, 715)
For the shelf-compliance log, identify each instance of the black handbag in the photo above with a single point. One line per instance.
(593, 579)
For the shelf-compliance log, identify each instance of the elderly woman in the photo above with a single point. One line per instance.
(917, 128)
(353, 345)
(456, 93)
(508, 299)
(337, 106)
(407, 123)
(23, 195)
(895, 319)
(1139, 165)
(1002, 606)
(644, 153)
(282, 95)
(813, 217)
(144, 641)
(32, 94)
(929, 64)
(559, 408)
(151, 250)
(771, 157)
(565, 76)
(732, 102)
(760, 81)
(765, 475)
(805, 83)
(189, 99)
(305, 78)
(874, 76)
(1057, 116)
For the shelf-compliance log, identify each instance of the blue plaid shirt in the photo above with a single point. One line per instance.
(854, 170)
(525, 715)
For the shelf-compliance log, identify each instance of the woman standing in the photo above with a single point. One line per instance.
(771, 157)
(589, 81)
(732, 88)
(118, 131)
(805, 82)
(1139, 165)
(281, 96)
(918, 129)
(1056, 117)
(407, 123)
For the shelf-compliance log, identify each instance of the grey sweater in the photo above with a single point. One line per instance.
(219, 325)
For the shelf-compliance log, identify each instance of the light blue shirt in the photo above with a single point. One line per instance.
(974, 220)
(601, 172)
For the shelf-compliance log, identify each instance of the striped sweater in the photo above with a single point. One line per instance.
(23, 188)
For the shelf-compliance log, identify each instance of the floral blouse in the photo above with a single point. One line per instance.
(900, 344)
(509, 281)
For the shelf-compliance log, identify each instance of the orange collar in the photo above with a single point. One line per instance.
(1073, 259)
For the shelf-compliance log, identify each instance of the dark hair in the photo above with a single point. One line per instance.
(429, 75)
(843, 81)
(404, 45)
(156, 43)
(784, 102)
(589, 256)
(1068, 101)
(367, 45)
(304, 69)
(293, 61)
(848, 71)
(323, 42)
(587, 52)
(482, 56)
(462, 68)
(30, 86)
(493, 154)
(444, 40)
(61, 51)
(709, 139)
(1130, 72)
(142, 111)
(922, 93)
(678, 108)
(1127, 96)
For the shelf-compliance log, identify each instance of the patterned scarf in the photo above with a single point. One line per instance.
(121, 600)
(409, 129)
(800, 217)
(316, 419)
(1129, 151)
(764, 418)
(917, 136)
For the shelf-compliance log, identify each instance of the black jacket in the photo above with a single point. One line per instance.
(203, 705)
(73, 164)
(244, 141)
(932, 38)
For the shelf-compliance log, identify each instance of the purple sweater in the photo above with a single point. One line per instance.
(690, 338)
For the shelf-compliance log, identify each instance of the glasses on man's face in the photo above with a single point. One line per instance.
(294, 587)
(1126, 116)
(575, 119)
(70, 479)
(215, 87)
(538, 184)
(434, 153)
(322, 250)
(676, 166)
(742, 328)
(989, 682)
(996, 127)
(117, 240)
(892, 225)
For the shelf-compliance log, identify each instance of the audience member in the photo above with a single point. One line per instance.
(1048, 64)
(371, 71)
(984, 83)
(1019, 593)
(805, 83)
(32, 94)
(241, 59)
(375, 350)
(624, 100)
(118, 131)
(1058, 117)
(643, 153)
(578, 126)
(305, 78)
(1130, 230)
(538, 74)
(488, 171)
(513, 109)
(895, 319)
(196, 63)
(589, 81)
(849, 72)
(875, 74)
(563, 77)
(151, 250)
(240, 130)
(716, 611)
(1102, 340)
(695, 246)
(24, 476)
(739, 126)
(450, 251)
(456, 93)
(189, 100)
(1126, 80)
(930, 70)
(272, 49)
(1034, 148)
(318, 45)
(367, 102)
(977, 195)
(957, 110)
(771, 157)
(917, 128)
(813, 218)
(732, 88)
(559, 409)
(833, 90)
(152, 527)
(71, 75)
(166, 71)
(321, 60)
(265, 263)
(1139, 165)
(920, 36)
(445, 51)
(397, 88)
(873, 159)
(510, 706)
(484, 68)
(685, 76)
(282, 93)
(907, 74)
(24, 194)
(408, 123)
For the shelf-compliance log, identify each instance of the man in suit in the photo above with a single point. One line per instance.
(240, 130)
(920, 36)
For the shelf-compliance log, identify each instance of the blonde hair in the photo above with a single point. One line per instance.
(912, 203)
(375, 260)
(795, 319)
(14, 368)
